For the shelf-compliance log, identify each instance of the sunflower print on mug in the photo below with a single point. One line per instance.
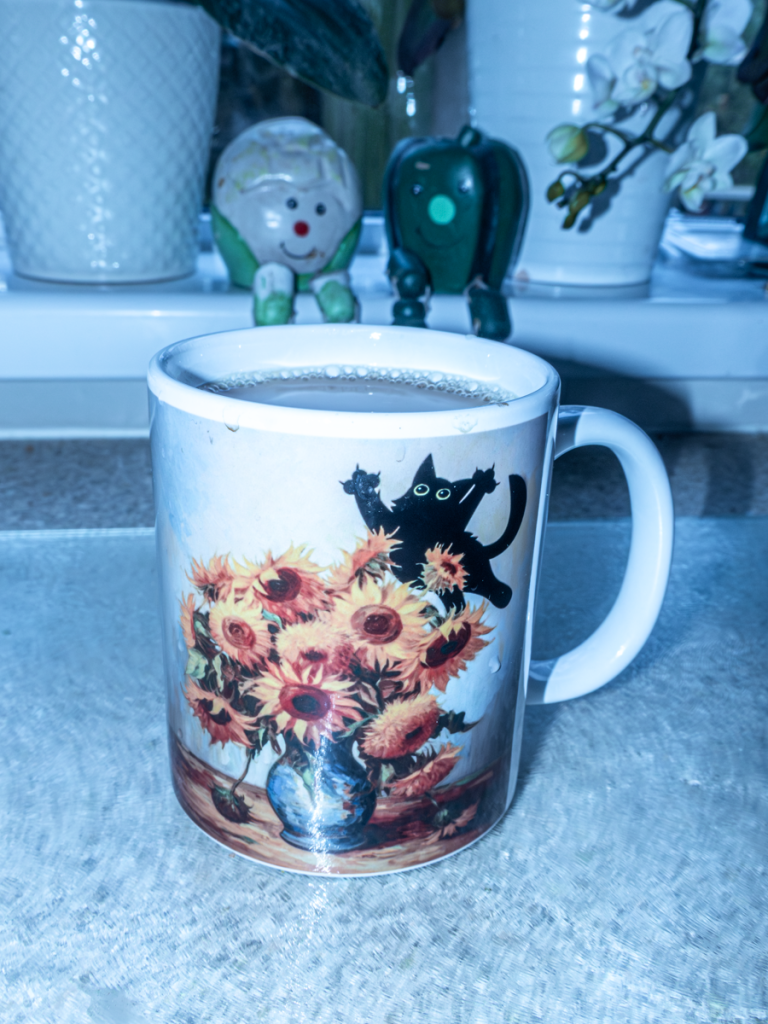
(285, 654)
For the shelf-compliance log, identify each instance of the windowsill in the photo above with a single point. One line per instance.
(695, 335)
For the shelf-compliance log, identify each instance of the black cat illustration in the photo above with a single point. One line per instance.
(436, 511)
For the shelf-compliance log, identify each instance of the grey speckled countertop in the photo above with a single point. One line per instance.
(625, 885)
(102, 484)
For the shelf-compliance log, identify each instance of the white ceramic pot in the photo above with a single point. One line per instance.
(106, 114)
(527, 74)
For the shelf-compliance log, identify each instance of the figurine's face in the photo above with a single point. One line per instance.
(300, 228)
(439, 206)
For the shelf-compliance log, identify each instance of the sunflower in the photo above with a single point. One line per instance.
(371, 558)
(289, 586)
(449, 647)
(443, 570)
(214, 580)
(385, 624)
(308, 702)
(188, 620)
(240, 631)
(217, 716)
(402, 727)
(316, 643)
(430, 774)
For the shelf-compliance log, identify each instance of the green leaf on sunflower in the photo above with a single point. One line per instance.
(271, 617)
(196, 664)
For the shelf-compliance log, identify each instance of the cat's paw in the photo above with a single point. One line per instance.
(485, 480)
(362, 484)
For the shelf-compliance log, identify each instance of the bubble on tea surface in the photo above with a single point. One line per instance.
(423, 380)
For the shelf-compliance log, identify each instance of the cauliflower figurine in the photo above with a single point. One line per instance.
(286, 212)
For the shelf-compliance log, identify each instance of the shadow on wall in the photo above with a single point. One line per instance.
(648, 404)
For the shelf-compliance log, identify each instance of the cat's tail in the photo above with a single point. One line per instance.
(517, 495)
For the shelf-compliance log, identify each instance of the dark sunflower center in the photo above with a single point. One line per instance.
(313, 655)
(449, 567)
(237, 633)
(377, 623)
(221, 717)
(305, 702)
(286, 587)
(442, 650)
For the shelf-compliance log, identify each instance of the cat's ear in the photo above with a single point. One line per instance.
(425, 474)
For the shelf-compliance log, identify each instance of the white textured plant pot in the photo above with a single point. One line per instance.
(106, 115)
(527, 74)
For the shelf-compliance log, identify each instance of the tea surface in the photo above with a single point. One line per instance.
(397, 392)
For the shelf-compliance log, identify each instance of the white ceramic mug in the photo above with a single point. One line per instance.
(348, 597)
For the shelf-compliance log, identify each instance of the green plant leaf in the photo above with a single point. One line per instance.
(427, 24)
(333, 46)
(756, 133)
(753, 70)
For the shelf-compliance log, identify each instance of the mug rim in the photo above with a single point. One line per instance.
(176, 373)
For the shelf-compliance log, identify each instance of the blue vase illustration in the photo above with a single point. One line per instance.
(323, 797)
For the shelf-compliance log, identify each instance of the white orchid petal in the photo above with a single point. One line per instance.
(657, 13)
(601, 79)
(703, 131)
(726, 51)
(635, 85)
(674, 180)
(623, 50)
(673, 37)
(726, 151)
(693, 199)
(732, 15)
(680, 159)
(721, 180)
(695, 175)
(673, 76)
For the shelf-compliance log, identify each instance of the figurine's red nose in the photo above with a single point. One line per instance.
(301, 228)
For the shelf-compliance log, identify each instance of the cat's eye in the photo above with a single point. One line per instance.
(443, 493)
(417, 189)
(420, 490)
(291, 204)
(320, 209)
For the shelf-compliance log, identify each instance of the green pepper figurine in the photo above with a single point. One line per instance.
(455, 211)
(286, 212)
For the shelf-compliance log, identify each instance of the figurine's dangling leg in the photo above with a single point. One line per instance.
(335, 297)
(489, 311)
(410, 281)
(273, 290)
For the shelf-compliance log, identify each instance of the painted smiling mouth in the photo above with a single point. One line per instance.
(298, 256)
(434, 245)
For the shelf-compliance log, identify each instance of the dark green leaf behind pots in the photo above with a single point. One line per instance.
(331, 45)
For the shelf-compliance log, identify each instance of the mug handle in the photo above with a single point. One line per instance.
(627, 626)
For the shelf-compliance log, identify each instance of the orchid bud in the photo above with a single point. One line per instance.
(554, 191)
(568, 143)
(579, 201)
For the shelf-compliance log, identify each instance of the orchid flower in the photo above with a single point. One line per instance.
(652, 53)
(703, 162)
(720, 39)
